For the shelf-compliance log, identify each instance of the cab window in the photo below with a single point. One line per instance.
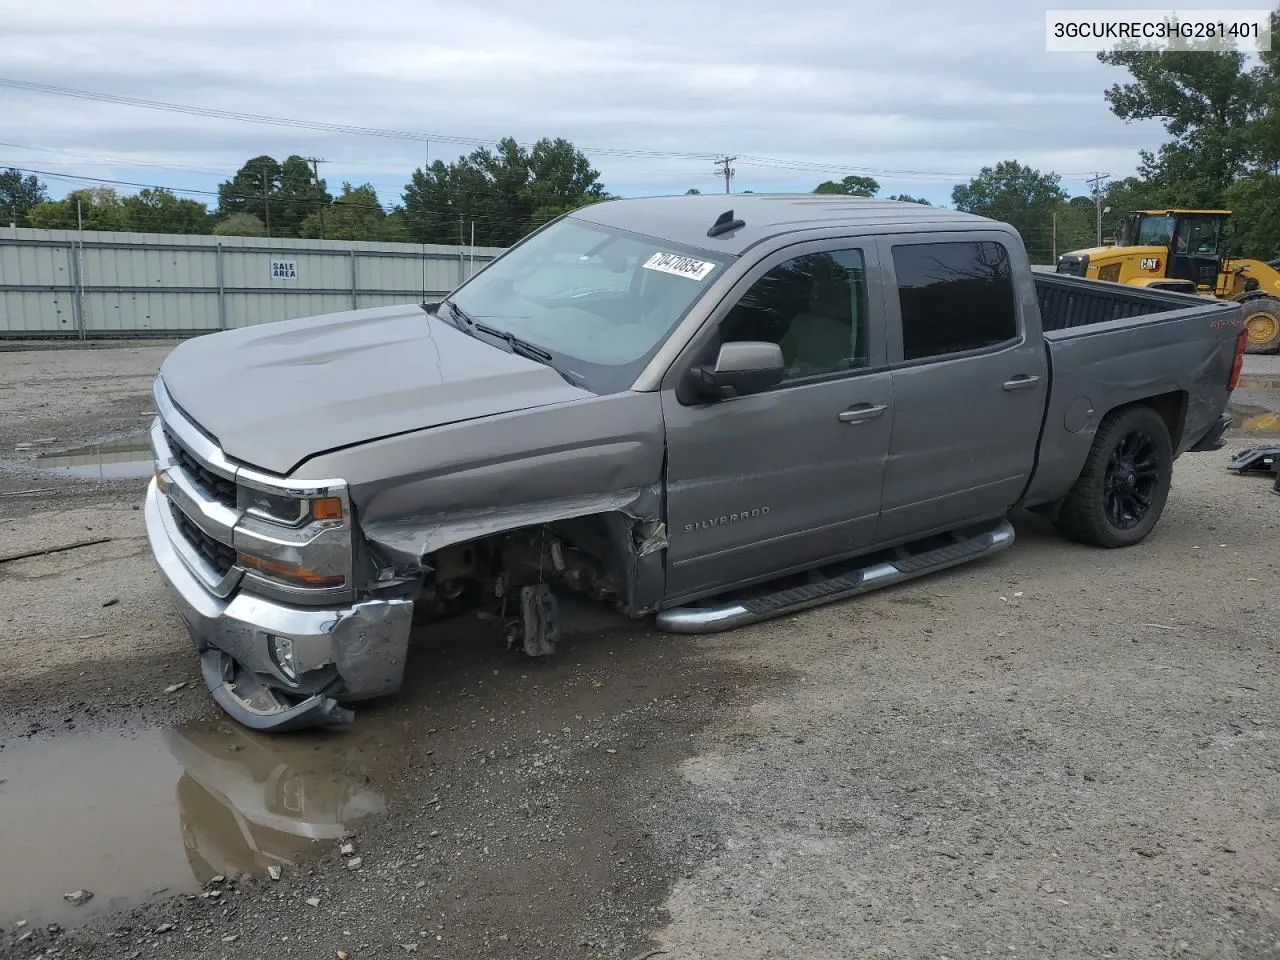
(814, 307)
(1198, 235)
(1155, 231)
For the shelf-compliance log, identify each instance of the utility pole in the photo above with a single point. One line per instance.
(727, 170)
(266, 203)
(315, 175)
(1055, 238)
(1096, 182)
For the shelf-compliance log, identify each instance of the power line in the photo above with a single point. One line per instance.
(388, 133)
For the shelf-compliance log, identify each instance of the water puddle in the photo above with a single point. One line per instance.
(127, 459)
(134, 816)
(1254, 418)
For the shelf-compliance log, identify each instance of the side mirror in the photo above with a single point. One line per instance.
(741, 367)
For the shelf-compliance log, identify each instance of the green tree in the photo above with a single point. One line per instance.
(18, 194)
(1076, 227)
(692, 191)
(250, 189)
(240, 225)
(906, 198)
(156, 210)
(1018, 195)
(98, 208)
(850, 187)
(301, 194)
(355, 215)
(395, 228)
(1207, 101)
(504, 192)
(1264, 136)
(282, 196)
(1254, 202)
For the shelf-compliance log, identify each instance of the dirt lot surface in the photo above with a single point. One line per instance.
(1058, 752)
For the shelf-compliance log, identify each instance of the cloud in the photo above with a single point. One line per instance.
(920, 97)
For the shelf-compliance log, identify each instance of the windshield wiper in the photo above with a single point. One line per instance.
(457, 313)
(522, 347)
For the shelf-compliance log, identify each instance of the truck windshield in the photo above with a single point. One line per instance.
(600, 301)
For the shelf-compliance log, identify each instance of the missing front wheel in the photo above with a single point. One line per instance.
(538, 628)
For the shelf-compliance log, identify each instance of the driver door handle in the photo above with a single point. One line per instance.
(862, 413)
(1021, 383)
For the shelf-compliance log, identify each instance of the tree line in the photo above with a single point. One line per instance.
(1220, 112)
(500, 194)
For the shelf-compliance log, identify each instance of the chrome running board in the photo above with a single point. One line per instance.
(875, 576)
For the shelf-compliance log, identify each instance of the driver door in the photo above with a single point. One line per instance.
(785, 478)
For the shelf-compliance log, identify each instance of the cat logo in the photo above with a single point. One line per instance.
(1150, 263)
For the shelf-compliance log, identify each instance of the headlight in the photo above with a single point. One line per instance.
(286, 510)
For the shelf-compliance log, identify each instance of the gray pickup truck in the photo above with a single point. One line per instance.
(712, 416)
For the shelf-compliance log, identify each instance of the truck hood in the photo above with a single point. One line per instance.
(275, 394)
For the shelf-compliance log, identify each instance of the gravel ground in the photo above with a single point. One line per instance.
(1057, 752)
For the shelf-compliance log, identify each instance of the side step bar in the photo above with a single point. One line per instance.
(766, 606)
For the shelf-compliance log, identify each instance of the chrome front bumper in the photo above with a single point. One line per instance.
(351, 652)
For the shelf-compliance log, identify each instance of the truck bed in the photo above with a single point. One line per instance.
(1070, 302)
(1110, 344)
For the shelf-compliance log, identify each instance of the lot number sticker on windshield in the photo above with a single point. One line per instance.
(680, 266)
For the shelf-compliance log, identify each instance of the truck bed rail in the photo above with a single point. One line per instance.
(1067, 302)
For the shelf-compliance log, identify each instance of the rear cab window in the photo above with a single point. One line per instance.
(955, 297)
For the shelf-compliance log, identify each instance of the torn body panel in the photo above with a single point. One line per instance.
(589, 471)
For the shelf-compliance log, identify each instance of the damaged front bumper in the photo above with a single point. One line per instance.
(336, 655)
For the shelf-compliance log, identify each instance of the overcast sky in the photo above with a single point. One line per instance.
(919, 95)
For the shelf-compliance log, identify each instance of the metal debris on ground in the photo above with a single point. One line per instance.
(273, 872)
(27, 554)
(78, 897)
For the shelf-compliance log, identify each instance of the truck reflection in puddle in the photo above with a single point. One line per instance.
(244, 805)
(131, 815)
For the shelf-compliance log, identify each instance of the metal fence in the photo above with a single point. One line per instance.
(65, 283)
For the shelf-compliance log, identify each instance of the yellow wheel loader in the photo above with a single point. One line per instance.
(1182, 250)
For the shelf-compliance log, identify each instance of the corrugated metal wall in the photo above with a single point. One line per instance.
(65, 283)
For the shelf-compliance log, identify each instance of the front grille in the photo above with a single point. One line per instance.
(220, 488)
(218, 554)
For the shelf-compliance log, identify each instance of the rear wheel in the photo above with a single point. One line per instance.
(1262, 325)
(1121, 492)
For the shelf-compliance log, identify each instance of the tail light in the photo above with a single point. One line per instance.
(1237, 364)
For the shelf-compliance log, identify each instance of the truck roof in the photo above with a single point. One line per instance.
(686, 219)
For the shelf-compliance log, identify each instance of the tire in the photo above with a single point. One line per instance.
(1121, 492)
(1262, 320)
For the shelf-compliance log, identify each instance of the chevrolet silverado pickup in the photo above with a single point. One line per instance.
(706, 416)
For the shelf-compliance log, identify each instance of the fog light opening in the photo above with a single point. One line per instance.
(281, 649)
